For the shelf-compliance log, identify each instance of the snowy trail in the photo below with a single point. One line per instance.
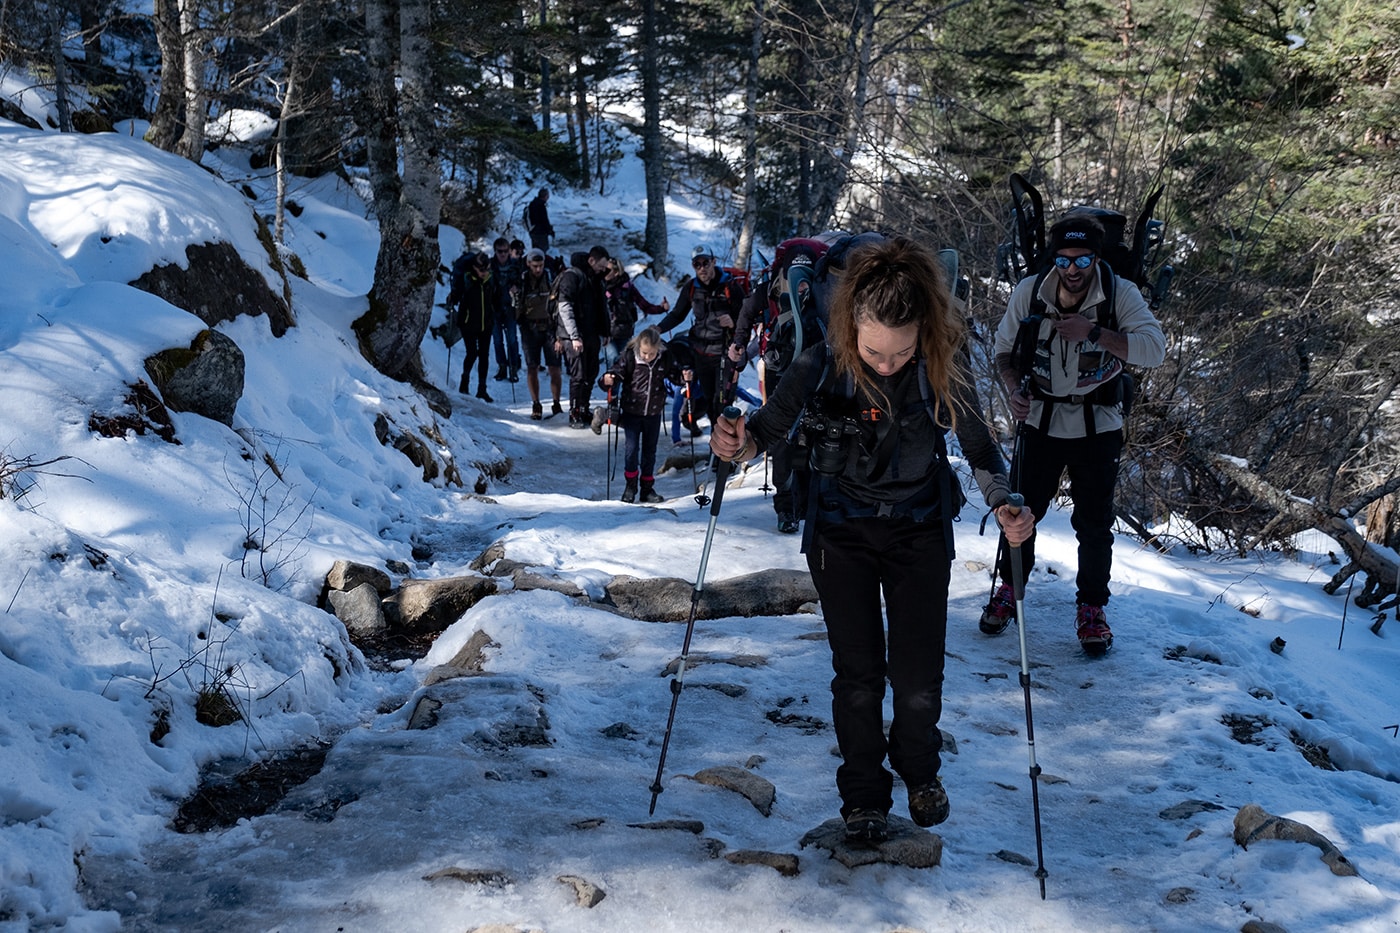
(1121, 740)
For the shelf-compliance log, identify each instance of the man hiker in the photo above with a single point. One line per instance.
(1091, 322)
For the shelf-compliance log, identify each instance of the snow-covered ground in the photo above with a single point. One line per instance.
(123, 594)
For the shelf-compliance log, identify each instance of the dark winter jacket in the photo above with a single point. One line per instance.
(537, 218)
(581, 309)
(724, 295)
(532, 302)
(887, 470)
(641, 387)
(505, 275)
(624, 301)
(474, 297)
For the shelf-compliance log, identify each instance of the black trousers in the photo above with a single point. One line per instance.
(853, 564)
(583, 372)
(476, 350)
(1092, 465)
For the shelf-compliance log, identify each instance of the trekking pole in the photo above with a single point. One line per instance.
(1018, 585)
(608, 470)
(1016, 449)
(701, 499)
(722, 468)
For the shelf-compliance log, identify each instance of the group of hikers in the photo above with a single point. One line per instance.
(863, 369)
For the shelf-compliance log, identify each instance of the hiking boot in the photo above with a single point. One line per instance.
(867, 826)
(500, 375)
(629, 492)
(536, 411)
(928, 803)
(464, 387)
(600, 415)
(1095, 637)
(514, 374)
(787, 523)
(997, 615)
(557, 409)
(577, 418)
(481, 393)
(649, 494)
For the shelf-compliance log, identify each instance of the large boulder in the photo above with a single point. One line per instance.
(205, 378)
(667, 599)
(215, 285)
(424, 606)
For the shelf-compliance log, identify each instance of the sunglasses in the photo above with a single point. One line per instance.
(703, 263)
(1079, 262)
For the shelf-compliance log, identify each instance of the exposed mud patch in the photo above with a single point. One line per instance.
(223, 799)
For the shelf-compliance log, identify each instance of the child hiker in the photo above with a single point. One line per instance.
(637, 385)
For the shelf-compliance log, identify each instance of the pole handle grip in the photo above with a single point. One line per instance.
(1015, 502)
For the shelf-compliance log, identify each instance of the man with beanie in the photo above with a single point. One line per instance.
(1071, 398)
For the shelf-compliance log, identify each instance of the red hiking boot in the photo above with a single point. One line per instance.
(1095, 637)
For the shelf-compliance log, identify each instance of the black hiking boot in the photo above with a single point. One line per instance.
(481, 393)
(649, 494)
(629, 492)
(928, 803)
(557, 409)
(536, 411)
(867, 826)
(787, 523)
(500, 375)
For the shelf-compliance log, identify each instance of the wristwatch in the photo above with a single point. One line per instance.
(1095, 334)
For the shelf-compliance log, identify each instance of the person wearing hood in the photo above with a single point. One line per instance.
(472, 298)
(581, 321)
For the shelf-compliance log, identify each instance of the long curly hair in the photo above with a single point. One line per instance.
(898, 282)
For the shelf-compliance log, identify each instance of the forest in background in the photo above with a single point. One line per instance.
(1272, 128)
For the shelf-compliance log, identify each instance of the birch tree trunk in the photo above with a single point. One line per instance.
(165, 128)
(408, 206)
(653, 147)
(191, 144)
(750, 190)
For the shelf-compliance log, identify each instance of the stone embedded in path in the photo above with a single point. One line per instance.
(784, 863)
(757, 790)
(908, 845)
(695, 827)
(468, 661)
(433, 605)
(491, 877)
(1187, 809)
(588, 893)
(1253, 823)
(712, 657)
(667, 599)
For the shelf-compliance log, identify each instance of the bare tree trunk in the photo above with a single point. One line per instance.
(750, 191)
(1381, 572)
(581, 108)
(846, 122)
(546, 91)
(653, 146)
(60, 68)
(166, 125)
(408, 207)
(191, 144)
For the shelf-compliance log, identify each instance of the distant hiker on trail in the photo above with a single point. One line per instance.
(537, 223)
(715, 299)
(505, 272)
(1071, 404)
(581, 320)
(537, 331)
(638, 384)
(874, 410)
(783, 308)
(624, 301)
(473, 296)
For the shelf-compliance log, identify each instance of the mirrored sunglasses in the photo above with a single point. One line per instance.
(1079, 262)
